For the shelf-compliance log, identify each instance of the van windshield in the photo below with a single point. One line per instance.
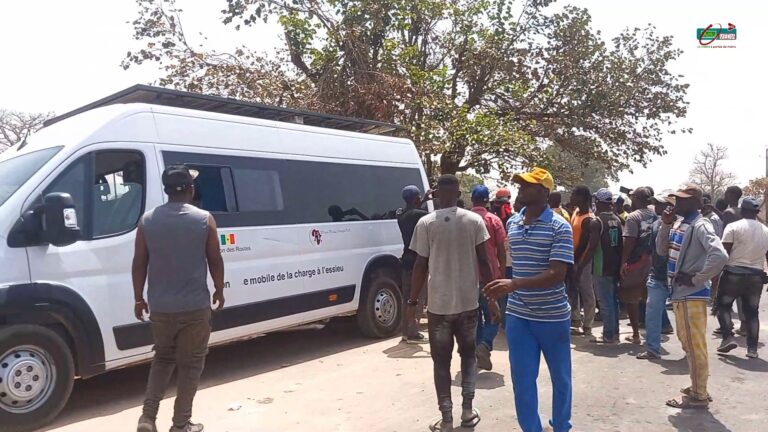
(16, 171)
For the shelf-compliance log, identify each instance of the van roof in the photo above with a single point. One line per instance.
(180, 99)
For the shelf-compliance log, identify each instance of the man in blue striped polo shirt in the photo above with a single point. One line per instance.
(538, 314)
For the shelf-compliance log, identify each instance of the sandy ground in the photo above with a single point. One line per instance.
(336, 380)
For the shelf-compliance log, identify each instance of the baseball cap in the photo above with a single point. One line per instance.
(503, 193)
(641, 193)
(538, 176)
(410, 192)
(603, 195)
(749, 203)
(480, 193)
(688, 190)
(661, 199)
(178, 177)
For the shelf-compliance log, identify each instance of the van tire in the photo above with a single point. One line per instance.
(46, 356)
(381, 304)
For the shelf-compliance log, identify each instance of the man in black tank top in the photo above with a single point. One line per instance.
(607, 263)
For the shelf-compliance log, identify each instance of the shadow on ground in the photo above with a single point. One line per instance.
(98, 397)
(485, 380)
(697, 420)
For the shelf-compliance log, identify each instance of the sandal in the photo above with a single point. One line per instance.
(472, 421)
(577, 332)
(438, 426)
(603, 341)
(689, 392)
(647, 355)
(687, 402)
(634, 340)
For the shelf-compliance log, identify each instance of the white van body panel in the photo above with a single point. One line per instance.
(100, 270)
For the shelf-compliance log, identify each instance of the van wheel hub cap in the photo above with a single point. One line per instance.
(27, 376)
(386, 308)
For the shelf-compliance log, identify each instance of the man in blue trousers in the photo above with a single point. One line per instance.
(538, 314)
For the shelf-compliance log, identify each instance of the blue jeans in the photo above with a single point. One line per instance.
(656, 316)
(527, 341)
(609, 305)
(486, 329)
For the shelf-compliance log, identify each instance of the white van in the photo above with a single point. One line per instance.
(305, 217)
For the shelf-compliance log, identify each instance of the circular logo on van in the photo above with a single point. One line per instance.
(315, 237)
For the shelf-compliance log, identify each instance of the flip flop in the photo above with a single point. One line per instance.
(437, 426)
(577, 332)
(635, 341)
(687, 402)
(473, 421)
(688, 392)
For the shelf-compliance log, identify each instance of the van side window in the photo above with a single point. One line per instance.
(108, 188)
(214, 190)
(284, 192)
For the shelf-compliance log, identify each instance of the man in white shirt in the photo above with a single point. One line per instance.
(746, 241)
(450, 247)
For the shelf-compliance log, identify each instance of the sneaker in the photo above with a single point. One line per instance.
(483, 357)
(741, 332)
(146, 424)
(718, 331)
(648, 355)
(752, 353)
(190, 427)
(418, 338)
(727, 346)
(668, 331)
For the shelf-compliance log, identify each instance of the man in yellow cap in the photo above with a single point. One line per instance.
(538, 314)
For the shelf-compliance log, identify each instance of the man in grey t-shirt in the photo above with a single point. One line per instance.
(450, 247)
(176, 245)
(636, 257)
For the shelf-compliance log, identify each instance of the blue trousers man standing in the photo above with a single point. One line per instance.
(538, 313)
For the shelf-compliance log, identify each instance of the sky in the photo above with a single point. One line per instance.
(58, 56)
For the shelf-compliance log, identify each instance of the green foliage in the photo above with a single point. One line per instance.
(487, 85)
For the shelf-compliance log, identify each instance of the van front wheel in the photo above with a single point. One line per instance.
(36, 376)
(380, 310)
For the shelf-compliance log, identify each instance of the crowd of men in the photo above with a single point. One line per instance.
(556, 270)
(553, 271)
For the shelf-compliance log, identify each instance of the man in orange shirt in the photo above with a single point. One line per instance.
(586, 235)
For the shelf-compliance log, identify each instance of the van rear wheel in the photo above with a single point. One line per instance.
(380, 310)
(36, 376)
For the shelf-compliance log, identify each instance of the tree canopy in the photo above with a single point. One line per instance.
(16, 126)
(708, 171)
(479, 84)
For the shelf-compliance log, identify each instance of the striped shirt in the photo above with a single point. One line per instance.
(676, 238)
(548, 238)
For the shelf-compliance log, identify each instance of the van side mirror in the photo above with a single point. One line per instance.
(59, 220)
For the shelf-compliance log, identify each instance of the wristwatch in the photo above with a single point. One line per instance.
(412, 302)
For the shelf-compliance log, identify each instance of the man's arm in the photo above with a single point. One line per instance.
(215, 263)
(550, 277)
(716, 255)
(139, 273)
(501, 255)
(483, 263)
(418, 277)
(594, 240)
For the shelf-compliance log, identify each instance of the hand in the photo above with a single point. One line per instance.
(218, 297)
(493, 307)
(577, 271)
(428, 195)
(624, 270)
(139, 309)
(499, 287)
(684, 279)
(668, 217)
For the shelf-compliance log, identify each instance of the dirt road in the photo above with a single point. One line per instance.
(335, 380)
